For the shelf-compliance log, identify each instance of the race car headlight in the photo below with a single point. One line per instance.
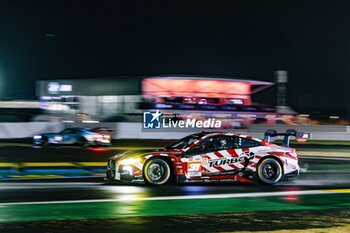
(129, 161)
(127, 169)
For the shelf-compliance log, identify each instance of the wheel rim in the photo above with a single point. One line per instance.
(82, 142)
(269, 171)
(43, 141)
(156, 172)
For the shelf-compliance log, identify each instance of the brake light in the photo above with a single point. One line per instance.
(100, 137)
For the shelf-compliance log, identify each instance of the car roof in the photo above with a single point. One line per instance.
(76, 128)
(208, 134)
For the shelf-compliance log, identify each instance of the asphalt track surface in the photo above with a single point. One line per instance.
(317, 199)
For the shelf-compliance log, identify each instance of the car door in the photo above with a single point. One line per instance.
(246, 150)
(68, 137)
(223, 159)
(196, 158)
(58, 138)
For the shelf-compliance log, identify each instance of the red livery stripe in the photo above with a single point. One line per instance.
(218, 154)
(233, 166)
(242, 179)
(220, 168)
(252, 164)
(232, 152)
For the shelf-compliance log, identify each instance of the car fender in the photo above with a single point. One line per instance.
(169, 158)
(88, 137)
(273, 157)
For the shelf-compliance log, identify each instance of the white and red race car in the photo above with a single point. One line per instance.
(208, 157)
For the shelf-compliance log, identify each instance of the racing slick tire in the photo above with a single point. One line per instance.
(44, 142)
(82, 142)
(156, 172)
(269, 171)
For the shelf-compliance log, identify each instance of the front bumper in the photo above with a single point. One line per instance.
(293, 174)
(123, 173)
(102, 143)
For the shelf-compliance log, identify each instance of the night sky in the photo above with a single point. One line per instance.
(246, 39)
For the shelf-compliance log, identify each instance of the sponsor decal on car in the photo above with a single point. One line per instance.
(228, 161)
(205, 161)
(58, 138)
(194, 167)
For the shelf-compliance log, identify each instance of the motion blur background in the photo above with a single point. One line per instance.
(254, 65)
(89, 45)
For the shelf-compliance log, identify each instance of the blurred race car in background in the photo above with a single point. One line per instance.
(208, 157)
(77, 136)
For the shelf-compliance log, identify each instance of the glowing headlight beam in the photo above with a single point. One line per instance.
(129, 161)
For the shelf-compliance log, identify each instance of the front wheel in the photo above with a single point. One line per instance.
(156, 172)
(269, 171)
(44, 141)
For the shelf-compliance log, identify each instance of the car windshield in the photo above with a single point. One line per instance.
(63, 131)
(184, 142)
(70, 131)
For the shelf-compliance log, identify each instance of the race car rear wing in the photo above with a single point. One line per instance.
(272, 135)
(100, 129)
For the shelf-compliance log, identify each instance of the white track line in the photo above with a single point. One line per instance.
(208, 196)
(334, 172)
(324, 158)
(50, 183)
(22, 186)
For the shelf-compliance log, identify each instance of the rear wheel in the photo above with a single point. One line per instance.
(156, 172)
(269, 171)
(83, 142)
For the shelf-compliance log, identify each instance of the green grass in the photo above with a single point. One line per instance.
(94, 210)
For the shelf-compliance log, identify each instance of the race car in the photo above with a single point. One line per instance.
(211, 157)
(78, 136)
